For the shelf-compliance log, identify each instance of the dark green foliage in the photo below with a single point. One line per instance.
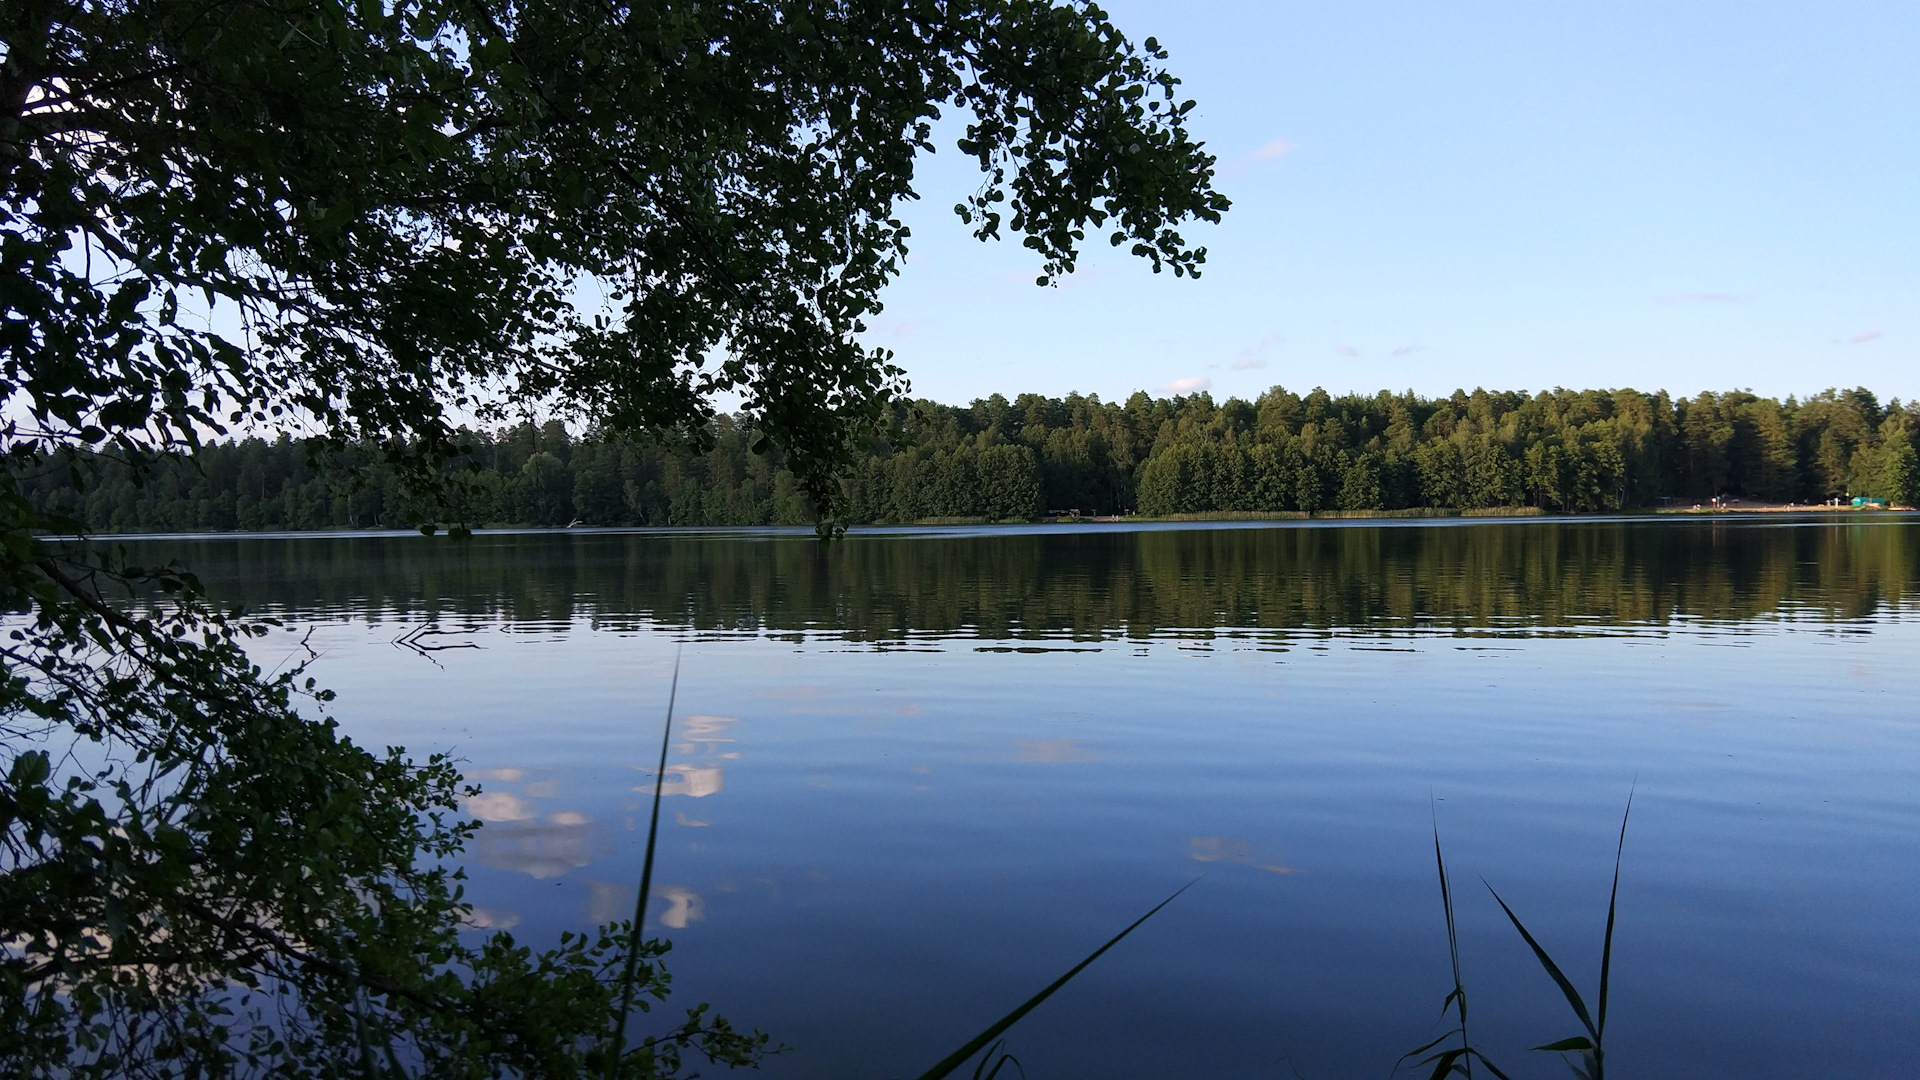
(210, 883)
(1000, 460)
(390, 208)
(362, 222)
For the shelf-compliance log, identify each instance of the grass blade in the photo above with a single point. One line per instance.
(646, 886)
(1553, 969)
(1454, 1060)
(1421, 1049)
(982, 1072)
(1606, 947)
(1459, 995)
(1445, 1062)
(959, 1057)
(1491, 1067)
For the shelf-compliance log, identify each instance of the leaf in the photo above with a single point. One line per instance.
(1613, 899)
(1445, 1063)
(1553, 969)
(959, 1057)
(1577, 1042)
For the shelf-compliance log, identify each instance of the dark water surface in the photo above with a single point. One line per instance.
(919, 774)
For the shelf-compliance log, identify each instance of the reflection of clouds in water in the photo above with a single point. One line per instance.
(497, 806)
(540, 851)
(542, 789)
(691, 823)
(689, 780)
(481, 918)
(1216, 849)
(702, 733)
(1053, 751)
(683, 906)
(569, 817)
(1228, 849)
(508, 775)
(609, 902)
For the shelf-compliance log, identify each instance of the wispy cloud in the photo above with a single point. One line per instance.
(1406, 350)
(905, 329)
(1863, 337)
(1346, 350)
(1704, 298)
(1192, 384)
(1250, 358)
(1251, 160)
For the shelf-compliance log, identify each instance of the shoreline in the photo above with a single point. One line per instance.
(1489, 515)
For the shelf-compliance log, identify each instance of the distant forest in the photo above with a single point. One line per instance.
(1561, 451)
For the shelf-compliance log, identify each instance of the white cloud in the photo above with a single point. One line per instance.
(1863, 337)
(1407, 349)
(1249, 359)
(1192, 384)
(1274, 149)
(1346, 350)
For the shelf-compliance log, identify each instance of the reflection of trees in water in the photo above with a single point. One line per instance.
(1090, 584)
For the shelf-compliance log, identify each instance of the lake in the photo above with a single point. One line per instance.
(920, 773)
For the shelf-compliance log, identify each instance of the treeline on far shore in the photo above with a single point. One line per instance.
(1560, 451)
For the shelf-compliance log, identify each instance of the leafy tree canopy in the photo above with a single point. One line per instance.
(366, 222)
(400, 213)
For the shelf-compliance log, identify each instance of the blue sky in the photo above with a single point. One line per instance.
(1514, 195)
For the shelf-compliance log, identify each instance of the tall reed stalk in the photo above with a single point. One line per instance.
(987, 1039)
(1453, 1060)
(1589, 1046)
(1458, 1060)
(631, 974)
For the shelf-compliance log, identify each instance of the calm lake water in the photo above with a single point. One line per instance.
(920, 773)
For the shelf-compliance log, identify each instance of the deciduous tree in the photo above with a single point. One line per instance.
(370, 222)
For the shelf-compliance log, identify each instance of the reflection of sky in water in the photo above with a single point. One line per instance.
(871, 852)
